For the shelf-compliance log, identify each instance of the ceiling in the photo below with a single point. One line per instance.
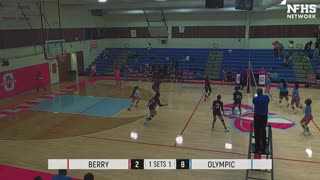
(171, 5)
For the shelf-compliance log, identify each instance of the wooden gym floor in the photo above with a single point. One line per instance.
(30, 137)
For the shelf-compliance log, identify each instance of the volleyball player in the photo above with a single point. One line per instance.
(207, 87)
(135, 98)
(237, 97)
(295, 100)
(117, 77)
(153, 103)
(156, 85)
(40, 81)
(307, 118)
(268, 86)
(217, 107)
(283, 87)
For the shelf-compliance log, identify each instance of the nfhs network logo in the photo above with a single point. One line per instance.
(301, 11)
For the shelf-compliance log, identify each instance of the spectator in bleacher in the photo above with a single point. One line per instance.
(149, 49)
(307, 50)
(93, 70)
(281, 50)
(286, 61)
(132, 55)
(316, 49)
(62, 175)
(88, 176)
(175, 63)
(140, 72)
(318, 75)
(38, 178)
(275, 49)
(126, 72)
(105, 55)
(229, 75)
(224, 75)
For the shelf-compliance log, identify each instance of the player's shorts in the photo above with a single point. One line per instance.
(207, 89)
(155, 88)
(283, 94)
(216, 113)
(237, 103)
(152, 111)
(307, 118)
(295, 100)
(134, 98)
(117, 77)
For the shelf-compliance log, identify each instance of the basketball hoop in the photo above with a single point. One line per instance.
(61, 57)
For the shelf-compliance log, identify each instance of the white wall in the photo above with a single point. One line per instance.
(205, 19)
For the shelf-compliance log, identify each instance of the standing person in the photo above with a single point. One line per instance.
(156, 85)
(260, 120)
(153, 103)
(268, 86)
(307, 118)
(316, 49)
(284, 92)
(207, 88)
(117, 77)
(135, 98)
(40, 81)
(295, 100)
(243, 78)
(229, 75)
(62, 175)
(93, 70)
(140, 72)
(149, 49)
(237, 97)
(275, 49)
(217, 107)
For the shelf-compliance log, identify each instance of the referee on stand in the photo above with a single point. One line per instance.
(260, 120)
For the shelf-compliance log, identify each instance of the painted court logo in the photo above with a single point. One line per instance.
(8, 82)
(242, 123)
(301, 11)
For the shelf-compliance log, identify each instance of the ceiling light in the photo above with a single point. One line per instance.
(102, 1)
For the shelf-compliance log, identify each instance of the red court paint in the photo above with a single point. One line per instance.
(316, 125)
(186, 125)
(191, 148)
(15, 173)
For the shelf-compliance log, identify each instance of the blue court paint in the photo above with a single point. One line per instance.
(85, 105)
(110, 107)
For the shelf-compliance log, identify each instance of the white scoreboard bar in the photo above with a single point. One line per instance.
(160, 164)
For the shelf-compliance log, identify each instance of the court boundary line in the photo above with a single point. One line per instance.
(191, 148)
(190, 118)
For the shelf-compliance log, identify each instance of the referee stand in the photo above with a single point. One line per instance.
(268, 154)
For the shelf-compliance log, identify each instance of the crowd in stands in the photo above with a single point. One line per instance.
(62, 175)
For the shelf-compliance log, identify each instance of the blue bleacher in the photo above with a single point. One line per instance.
(195, 67)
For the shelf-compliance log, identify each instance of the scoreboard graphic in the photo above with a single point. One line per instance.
(159, 164)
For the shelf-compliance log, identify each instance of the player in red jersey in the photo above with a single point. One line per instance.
(40, 81)
(117, 77)
(217, 107)
(153, 103)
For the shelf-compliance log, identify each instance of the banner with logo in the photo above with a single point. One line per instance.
(20, 80)
(262, 79)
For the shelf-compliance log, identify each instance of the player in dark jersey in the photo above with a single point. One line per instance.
(207, 88)
(217, 107)
(153, 103)
(237, 97)
(156, 86)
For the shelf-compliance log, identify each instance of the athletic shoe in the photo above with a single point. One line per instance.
(129, 109)
(293, 112)
(226, 130)
(212, 128)
(307, 133)
(145, 121)
(288, 105)
(302, 132)
(136, 106)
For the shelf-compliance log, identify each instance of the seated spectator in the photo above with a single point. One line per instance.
(149, 49)
(307, 49)
(38, 178)
(88, 176)
(62, 175)
(132, 55)
(281, 50)
(286, 62)
(106, 55)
